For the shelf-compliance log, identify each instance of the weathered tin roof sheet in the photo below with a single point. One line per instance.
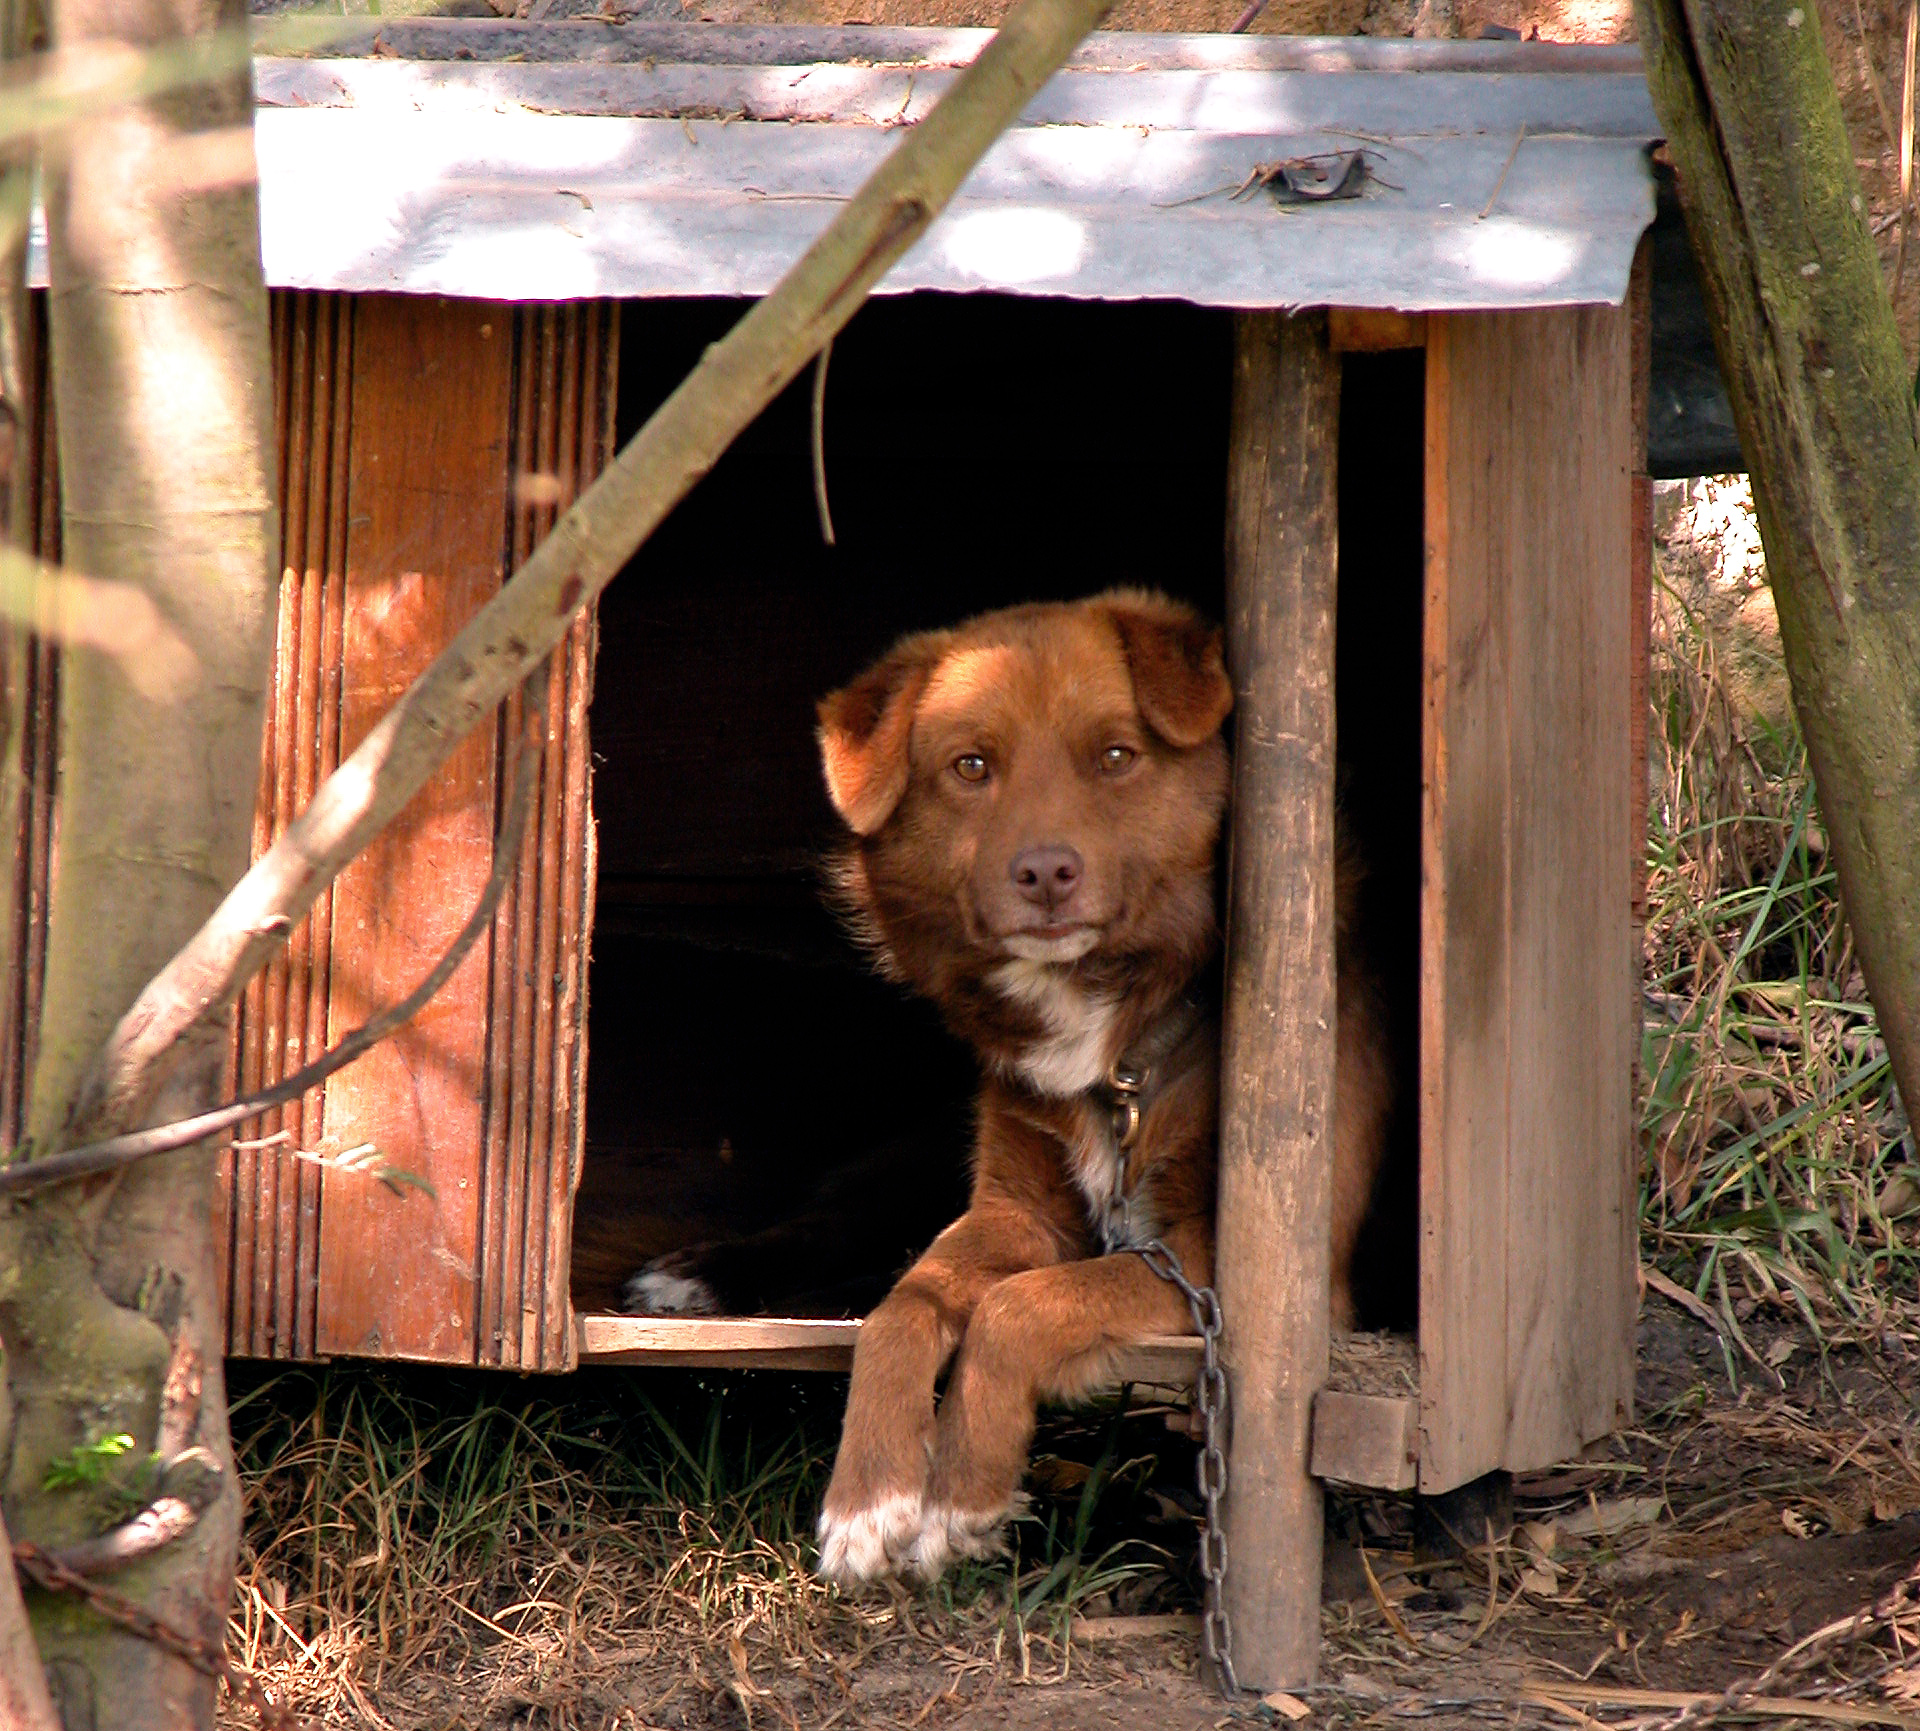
(553, 161)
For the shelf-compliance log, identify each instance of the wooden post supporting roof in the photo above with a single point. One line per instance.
(1276, 1130)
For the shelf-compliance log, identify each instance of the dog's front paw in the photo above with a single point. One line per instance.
(661, 1290)
(868, 1541)
(946, 1533)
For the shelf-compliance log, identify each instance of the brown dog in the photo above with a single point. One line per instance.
(1035, 799)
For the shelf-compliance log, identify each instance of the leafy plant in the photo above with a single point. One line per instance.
(86, 1466)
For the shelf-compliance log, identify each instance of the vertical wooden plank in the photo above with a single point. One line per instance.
(1527, 1224)
(37, 666)
(1640, 577)
(597, 405)
(1463, 912)
(425, 549)
(332, 601)
(1277, 1088)
(272, 1198)
(1570, 1226)
(502, 1173)
(564, 382)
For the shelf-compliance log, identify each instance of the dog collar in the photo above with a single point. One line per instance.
(1131, 1081)
(1132, 1078)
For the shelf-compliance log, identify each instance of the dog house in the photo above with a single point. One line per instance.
(496, 246)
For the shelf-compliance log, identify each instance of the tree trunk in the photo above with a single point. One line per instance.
(1806, 339)
(108, 1301)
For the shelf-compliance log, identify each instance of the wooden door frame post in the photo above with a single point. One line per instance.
(1277, 1064)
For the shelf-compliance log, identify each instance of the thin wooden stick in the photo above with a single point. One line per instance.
(1506, 168)
(819, 429)
(519, 628)
(1691, 1708)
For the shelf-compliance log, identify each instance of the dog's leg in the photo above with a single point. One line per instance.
(1046, 1334)
(873, 1506)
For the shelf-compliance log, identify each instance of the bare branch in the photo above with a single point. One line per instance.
(515, 631)
(115, 1152)
(192, 1485)
(25, 1704)
(118, 619)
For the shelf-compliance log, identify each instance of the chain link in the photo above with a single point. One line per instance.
(1119, 1235)
(46, 1571)
(1210, 1470)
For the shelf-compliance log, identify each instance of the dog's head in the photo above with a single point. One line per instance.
(1043, 784)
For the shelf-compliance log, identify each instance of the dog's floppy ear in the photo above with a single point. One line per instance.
(865, 728)
(1178, 666)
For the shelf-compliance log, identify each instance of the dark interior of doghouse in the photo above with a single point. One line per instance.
(760, 1105)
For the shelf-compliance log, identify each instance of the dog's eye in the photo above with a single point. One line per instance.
(1116, 758)
(970, 766)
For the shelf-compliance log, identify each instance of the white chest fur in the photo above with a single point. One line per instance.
(1071, 1053)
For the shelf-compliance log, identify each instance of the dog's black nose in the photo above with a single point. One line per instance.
(1048, 876)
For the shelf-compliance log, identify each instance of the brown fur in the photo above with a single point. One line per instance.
(962, 760)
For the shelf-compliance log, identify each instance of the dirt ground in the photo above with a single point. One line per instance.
(1638, 1586)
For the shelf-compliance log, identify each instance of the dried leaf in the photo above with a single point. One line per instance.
(1610, 1518)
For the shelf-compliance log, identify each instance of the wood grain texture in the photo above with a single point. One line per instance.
(1640, 595)
(1527, 965)
(271, 1199)
(565, 365)
(1366, 1439)
(1570, 1229)
(425, 549)
(1371, 330)
(787, 1343)
(30, 872)
(1463, 924)
(1277, 1085)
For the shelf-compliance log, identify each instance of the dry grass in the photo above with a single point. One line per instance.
(412, 1534)
(1780, 1169)
(439, 1549)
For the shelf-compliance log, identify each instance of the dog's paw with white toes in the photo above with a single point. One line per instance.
(946, 1533)
(656, 1291)
(864, 1544)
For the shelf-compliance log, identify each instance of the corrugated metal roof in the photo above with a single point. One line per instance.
(694, 159)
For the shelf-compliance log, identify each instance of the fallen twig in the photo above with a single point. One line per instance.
(1752, 1696)
(1506, 168)
(1694, 1708)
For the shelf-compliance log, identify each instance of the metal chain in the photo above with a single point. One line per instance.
(1126, 1082)
(1210, 1394)
(46, 1571)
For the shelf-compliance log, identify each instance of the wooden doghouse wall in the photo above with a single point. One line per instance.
(406, 430)
(426, 446)
(1528, 999)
